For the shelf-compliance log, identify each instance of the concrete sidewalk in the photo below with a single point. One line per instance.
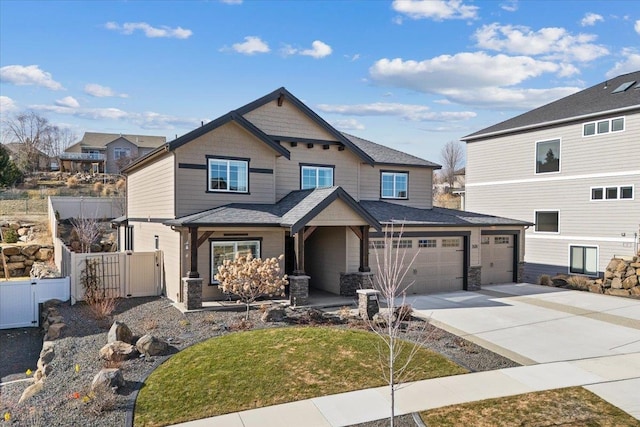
(605, 376)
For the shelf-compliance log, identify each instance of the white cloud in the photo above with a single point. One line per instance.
(347, 124)
(437, 10)
(68, 101)
(352, 58)
(551, 42)
(590, 19)
(406, 111)
(637, 26)
(318, 50)
(100, 91)
(250, 46)
(7, 104)
(630, 63)
(508, 98)
(129, 28)
(509, 5)
(21, 75)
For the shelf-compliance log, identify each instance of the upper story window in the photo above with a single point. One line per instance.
(316, 177)
(548, 156)
(603, 126)
(394, 185)
(621, 192)
(230, 175)
(547, 222)
(120, 153)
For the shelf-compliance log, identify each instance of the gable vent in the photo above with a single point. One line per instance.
(623, 87)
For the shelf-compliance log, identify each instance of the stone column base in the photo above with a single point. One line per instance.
(298, 290)
(368, 304)
(473, 278)
(351, 282)
(192, 293)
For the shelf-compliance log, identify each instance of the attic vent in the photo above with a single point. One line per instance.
(623, 87)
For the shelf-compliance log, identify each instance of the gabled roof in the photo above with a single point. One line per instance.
(388, 156)
(595, 101)
(388, 213)
(97, 139)
(293, 211)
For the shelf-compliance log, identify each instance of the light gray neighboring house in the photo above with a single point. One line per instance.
(572, 167)
(273, 178)
(107, 152)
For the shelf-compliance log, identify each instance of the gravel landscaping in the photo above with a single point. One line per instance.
(76, 361)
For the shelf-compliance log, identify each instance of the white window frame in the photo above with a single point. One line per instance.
(427, 243)
(317, 170)
(610, 128)
(395, 176)
(584, 268)
(229, 163)
(535, 153)
(121, 152)
(618, 188)
(535, 220)
(234, 243)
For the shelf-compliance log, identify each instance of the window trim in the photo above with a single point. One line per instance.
(618, 188)
(535, 153)
(117, 150)
(318, 166)
(394, 173)
(535, 221)
(228, 160)
(584, 271)
(236, 240)
(595, 123)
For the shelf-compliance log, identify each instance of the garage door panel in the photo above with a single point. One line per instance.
(497, 259)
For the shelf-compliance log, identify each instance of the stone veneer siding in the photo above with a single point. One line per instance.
(192, 293)
(351, 282)
(520, 276)
(473, 278)
(298, 290)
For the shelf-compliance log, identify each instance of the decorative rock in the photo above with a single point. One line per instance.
(30, 250)
(635, 291)
(618, 292)
(630, 282)
(31, 391)
(11, 250)
(54, 332)
(17, 258)
(109, 377)
(51, 303)
(119, 332)
(616, 283)
(151, 346)
(44, 254)
(595, 288)
(41, 270)
(117, 351)
(47, 353)
(274, 314)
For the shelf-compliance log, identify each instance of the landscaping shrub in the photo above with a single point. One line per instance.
(545, 280)
(72, 182)
(10, 236)
(97, 187)
(578, 282)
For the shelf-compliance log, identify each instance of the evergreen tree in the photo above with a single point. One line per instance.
(9, 172)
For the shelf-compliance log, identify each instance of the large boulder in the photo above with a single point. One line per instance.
(118, 351)
(274, 314)
(11, 250)
(54, 331)
(120, 332)
(616, 283)
(30, 250)
(151, 346)
(44, 254)
(108, 377)
(630, 282)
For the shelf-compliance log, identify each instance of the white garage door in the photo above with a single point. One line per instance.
(497, 259)
(438, 266)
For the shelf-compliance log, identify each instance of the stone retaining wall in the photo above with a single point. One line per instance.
(20, 258)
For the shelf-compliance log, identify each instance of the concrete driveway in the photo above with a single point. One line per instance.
(537, 324)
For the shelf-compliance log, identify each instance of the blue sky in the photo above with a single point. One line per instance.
(412, 75)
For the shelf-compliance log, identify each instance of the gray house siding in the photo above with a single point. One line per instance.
(119, 144)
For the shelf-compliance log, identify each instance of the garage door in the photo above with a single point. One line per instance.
(497, 259)
(438, 267)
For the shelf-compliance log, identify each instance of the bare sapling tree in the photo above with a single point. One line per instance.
(395, 353)
(251, 278)
(88, 230)
(452, 158)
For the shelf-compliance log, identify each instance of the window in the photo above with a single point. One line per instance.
(501, 240)
(583, 260)
(603, 126)
(427, 243)
(548, 156)
(316, 177)
(485, 240)
(394, 185)
(450, 243)
(402, 244)
(121, 153)
(228, 175)
(547, 222)
(223, 250)
(376, 244)
(619, 192)
(128, 238)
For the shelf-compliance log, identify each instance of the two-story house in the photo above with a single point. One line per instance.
(273, 177)
(572, 167)
(107, 152)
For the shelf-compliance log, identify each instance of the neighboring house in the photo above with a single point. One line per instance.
(107, 152)
(273, 178)
(20, 154)
(572, 167)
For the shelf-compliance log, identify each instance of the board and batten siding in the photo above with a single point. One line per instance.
(345, 173)
(150, 190)
(229, 140)
(337, 213)
(420, 185)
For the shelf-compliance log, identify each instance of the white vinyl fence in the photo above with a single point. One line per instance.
(83, 207)
(19, 300)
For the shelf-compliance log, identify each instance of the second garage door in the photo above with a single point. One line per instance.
(438, 267)
(497, 259)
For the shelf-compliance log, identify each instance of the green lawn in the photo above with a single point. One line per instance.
(265, 367)
(568, 407)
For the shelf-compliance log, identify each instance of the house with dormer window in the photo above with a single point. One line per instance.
(273, 178)
(571, 167)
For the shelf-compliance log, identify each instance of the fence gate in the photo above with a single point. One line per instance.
(18, 307)
(144, 274)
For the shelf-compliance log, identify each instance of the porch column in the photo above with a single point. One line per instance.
(193, 252)
(364, 249)
(299, 271)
